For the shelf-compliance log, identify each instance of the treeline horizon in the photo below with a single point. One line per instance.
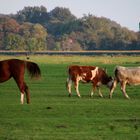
(35, 29)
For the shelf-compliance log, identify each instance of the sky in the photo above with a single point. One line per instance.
(124, 12)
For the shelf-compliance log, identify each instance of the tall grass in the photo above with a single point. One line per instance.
(70, 59)
(52, 115)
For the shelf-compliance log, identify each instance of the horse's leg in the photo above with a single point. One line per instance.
(21, 86)
(26, 89)
(21, 98)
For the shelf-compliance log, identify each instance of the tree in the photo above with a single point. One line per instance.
(33, 28)
(32, 14)
(14, 42)
(8, 25)
(57, 18)
(35, 36)
(60, 14)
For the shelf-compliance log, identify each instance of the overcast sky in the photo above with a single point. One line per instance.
(124, 12)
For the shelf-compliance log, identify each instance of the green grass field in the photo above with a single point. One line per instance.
(52, 115)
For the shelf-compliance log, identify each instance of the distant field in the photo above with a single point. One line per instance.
(52, 115)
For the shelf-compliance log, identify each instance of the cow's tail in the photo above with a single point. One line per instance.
(114, 83)
(116, 74)
(116, 80)
(33, 69)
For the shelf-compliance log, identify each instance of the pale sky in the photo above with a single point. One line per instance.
(124, 12)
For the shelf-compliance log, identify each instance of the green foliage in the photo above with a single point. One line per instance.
(92, 33)
(25, 36)
(32, 14)
(60, 15)
(14, 42)
(53, 30)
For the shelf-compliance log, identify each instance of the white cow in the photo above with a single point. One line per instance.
(125, 75)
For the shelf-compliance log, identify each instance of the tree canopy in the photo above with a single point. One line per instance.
(33, 28)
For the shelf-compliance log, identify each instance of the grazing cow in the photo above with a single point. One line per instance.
(125, 75)
(87, 74)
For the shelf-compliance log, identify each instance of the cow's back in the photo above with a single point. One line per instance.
(74, 69)
(80, 69)
(84, 72)
(131, 74)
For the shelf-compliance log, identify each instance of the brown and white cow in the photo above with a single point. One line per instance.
(125, 75)
(87, 74)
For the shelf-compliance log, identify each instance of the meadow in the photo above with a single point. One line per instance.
(52, 115)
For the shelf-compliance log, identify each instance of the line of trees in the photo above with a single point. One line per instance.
(33, 28)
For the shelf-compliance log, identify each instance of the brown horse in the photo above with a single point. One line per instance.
(16, 68)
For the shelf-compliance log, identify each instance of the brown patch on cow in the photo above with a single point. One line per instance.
(85, 72)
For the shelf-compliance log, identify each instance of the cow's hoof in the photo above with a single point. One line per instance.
(90, 96)
(110, 97)
(69, 95)
(128, 98)
(101, 96)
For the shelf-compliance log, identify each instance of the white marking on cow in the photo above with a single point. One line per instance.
(68, 84)
(77, 85)
(94, 72)
(81, 78)
(22, 97)
(84, 74)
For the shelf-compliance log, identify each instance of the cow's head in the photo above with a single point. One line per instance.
(110, 82)
(106, 79)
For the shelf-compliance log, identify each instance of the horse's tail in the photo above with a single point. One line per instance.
(33, 69)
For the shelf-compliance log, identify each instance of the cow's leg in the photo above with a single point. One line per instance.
(76, 85)
(93, 90)
(112, 88)
(68, 86)
(99, 91)
(123, 88)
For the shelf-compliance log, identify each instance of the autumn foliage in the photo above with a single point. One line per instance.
(35, 29)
